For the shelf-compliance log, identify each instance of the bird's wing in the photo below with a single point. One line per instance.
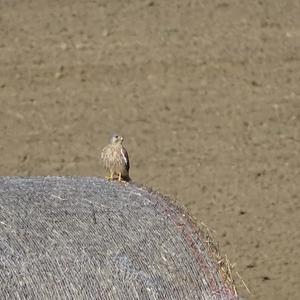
(125, 158)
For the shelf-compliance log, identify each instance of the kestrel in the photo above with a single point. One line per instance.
(115, 159)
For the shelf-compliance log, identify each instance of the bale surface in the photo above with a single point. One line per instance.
(84, 238)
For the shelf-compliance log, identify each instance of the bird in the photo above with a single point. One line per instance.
(115, 159)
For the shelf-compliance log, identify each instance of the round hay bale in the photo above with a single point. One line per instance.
(87, 238)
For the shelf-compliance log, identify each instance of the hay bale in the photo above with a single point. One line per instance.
(87, 238)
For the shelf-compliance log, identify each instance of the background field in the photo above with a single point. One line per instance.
(205, 92)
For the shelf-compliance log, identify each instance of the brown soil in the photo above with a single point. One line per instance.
(206, 94)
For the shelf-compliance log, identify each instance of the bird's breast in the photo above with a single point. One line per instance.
(112, 156)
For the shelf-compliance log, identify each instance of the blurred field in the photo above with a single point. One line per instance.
(206, 94)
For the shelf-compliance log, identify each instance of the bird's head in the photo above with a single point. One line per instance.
(116, 139)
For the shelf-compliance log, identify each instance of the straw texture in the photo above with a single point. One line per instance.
(87, 238)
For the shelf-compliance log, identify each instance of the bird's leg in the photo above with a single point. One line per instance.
(111, 177)
(119, 176)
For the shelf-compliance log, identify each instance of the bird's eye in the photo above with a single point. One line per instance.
(116, 136)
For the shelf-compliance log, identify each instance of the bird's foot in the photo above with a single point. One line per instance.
(110, 177)
(121, 179)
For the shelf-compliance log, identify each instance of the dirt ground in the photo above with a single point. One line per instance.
(205, 92)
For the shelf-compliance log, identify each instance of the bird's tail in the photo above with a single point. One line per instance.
(126, 178)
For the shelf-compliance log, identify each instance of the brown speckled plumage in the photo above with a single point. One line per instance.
(115, 159)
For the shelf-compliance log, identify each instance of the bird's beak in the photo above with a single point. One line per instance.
(122, 139)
